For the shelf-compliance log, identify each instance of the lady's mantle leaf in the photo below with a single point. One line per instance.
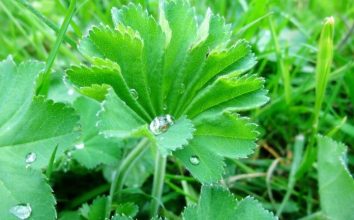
(30, 128)
(20, 186)
(118, 120)
(179, 67)
(93, 149)
(336, 185)
(218, 135)
(216, 203)
(27, 124)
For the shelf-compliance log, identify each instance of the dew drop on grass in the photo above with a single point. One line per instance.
(79, 146)
(134, 94)
(30, 158)
(161, 124)
(21, 211)
(194, 160)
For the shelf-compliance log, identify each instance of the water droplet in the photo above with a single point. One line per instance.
(30, 158)
(194, 160)
(21, 211)
(80, 146)
(164, 107)
(71, 92)
(69, 153)
(134, 94)
(161, 124)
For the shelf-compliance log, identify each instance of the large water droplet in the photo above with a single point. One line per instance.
(30, 158)
(161, 124)
(134, 94)
(79, 146)
(194, 160)
(21, 211)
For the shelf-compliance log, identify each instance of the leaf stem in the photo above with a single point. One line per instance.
(159, 176)
(123, 169)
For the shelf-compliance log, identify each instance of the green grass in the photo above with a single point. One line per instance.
(310, 84)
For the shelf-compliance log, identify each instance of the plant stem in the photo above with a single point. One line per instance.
(123, 169)
(159, 176)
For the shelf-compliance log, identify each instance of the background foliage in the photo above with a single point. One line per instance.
(284, 36)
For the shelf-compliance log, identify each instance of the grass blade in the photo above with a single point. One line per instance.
(323, 67)
(44, 80)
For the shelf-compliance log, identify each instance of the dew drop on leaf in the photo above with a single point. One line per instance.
(30, 158)
(71, 92)
(21, 211)
(134, 94)
(164, 107)
(194, 160)
(161, 124)
(79, 146)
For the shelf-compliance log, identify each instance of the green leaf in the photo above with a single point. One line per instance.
(27, 124)
(151, 33)
(217, 203)
(237, 58)
(223, 89)
(101, 73)
(127, 51)
(217, 135)
(182, 26)
(70, 215)
(192, 71)
(24, 186)
(177, 136)
(117, 119)
(93, 149)
(335, 181)
(127, 209)
(249, 208)
(204, 165)
(97, 209)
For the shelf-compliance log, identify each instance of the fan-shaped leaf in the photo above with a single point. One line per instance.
(336, 185)
(93, 149)
(30, 128)
(216, 203)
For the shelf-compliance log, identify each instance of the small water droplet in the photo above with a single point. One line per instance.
(71, 92)
(161, 124)
(30, 158)
(164, 107)
(134, 94)
(21, 211)
(194, 160)
(79, 146)
(69, 154)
